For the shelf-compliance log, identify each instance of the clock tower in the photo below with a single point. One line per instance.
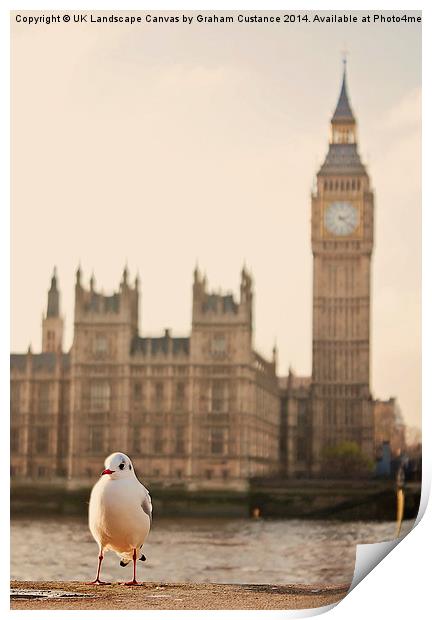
(342, 226)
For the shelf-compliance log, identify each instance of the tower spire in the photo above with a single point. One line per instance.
(343, 122)
(343, 111)
(125, 274)
(78, 275)
(52, 322)
(53, 296)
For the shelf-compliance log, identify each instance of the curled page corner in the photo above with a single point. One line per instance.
(369, 556)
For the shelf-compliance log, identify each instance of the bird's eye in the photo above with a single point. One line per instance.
(122, 465)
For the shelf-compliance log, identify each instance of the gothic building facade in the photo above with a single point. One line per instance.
(207, 408)
(202, 409)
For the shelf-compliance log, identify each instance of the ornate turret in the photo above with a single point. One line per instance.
(78, 276)
(53, 297)
(105, 323)
(52, 322)
(125, 281)
(275, 355)
(245, 286)
(221, 324)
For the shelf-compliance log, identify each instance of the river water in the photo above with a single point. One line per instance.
(200, 550)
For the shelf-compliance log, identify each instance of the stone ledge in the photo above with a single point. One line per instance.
(152, 595)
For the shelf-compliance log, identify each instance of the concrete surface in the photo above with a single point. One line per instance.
(77, 595)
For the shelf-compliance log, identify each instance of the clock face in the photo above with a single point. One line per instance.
(341, 218)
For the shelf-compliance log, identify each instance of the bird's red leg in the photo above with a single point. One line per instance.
(134, 582)
(97, 581)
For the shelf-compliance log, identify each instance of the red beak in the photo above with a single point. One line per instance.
(107, 471)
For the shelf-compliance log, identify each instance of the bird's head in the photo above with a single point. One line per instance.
(118, 466)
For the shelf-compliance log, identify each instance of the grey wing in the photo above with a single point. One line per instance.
(146, 504)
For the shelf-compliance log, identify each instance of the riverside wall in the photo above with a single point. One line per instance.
(313, 499)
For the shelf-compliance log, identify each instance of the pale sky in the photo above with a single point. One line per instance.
(161, 145)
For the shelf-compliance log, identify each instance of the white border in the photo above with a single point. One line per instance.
(399, 585)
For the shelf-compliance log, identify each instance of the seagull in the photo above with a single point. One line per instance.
(120, 513)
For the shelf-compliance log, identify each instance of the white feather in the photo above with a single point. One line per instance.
(117, 519)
